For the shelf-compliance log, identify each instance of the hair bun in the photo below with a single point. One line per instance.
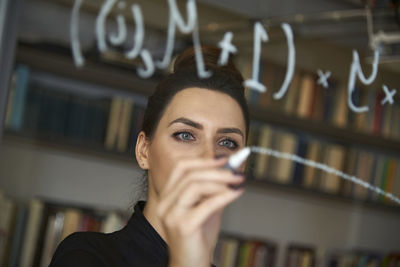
(186, 61)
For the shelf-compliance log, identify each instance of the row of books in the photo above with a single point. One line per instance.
(300, 256)
(237, 251)
(241, 252)
(30, 232)
(37, 110)
(342, 258)
(307, 99)
(382, 171)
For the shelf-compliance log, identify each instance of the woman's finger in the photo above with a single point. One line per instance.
(186, 165)
(216, 175)
(196, 192)
(197, 184)
(196, 216)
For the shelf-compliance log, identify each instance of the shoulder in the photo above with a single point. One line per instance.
(79, 249)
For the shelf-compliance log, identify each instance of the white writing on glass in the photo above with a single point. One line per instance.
(190, 26)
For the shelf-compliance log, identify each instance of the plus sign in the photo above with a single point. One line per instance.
(227, 47)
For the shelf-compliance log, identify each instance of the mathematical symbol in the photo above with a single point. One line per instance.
(227, 47)
(323, 78)
(122, 5)
(389, 95)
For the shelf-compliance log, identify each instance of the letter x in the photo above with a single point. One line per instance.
(323, 78)
(389, 95)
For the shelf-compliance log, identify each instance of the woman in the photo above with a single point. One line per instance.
(190, 124)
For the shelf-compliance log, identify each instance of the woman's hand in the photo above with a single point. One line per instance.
(190, 209)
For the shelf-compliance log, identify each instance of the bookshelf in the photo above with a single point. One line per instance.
(109, 79)
(64, 84)
(121, 79)
(342, 135)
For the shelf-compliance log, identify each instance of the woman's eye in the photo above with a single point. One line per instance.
(229, 144)
(185, 136)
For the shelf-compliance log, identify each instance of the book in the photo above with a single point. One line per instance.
(112, 223)
(340, 108)
(231, 252)
(330, 182)
(113, 123)
(314, 154)
(385, 174)
(371, 118)
(10, 100)
(268, 74)
(305, 96)
(317, 108)
(291, 99)
(350, 169)
(387, 120)
(306, 259)
(293, 258)
(261, 256)
(18, 235)
(71, 222)
(19, 97)
(284, 167)
(52, 237)
(32, 232)
(300, 256)
(360, 118)
(255, 245)
(379, 175)
(7, 211)
(261, 160)
(298, 169)
(364, 166)
(389, 186)
(244, 253)
(377, 115)
(328, 101)
(77, 119)
(123, 129)
(396, 183)
(395, 126)
(277, 81)
(351, 115)
(32, 110)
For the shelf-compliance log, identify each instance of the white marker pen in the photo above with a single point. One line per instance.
(235, 161)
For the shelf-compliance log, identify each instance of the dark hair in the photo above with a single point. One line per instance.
(226, 79)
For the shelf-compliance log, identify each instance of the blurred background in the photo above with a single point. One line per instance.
(68, 133)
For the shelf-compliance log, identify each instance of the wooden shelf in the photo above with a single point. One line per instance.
(125, 79)
(69, 146)
(108, 75)
(93, 72)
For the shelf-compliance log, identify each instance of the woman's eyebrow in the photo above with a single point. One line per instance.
(199, 126)
(187, 122)
(231, 130)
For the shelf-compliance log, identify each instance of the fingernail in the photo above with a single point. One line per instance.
(237, 186)
(238, 173)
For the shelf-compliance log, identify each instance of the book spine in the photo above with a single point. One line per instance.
(20, 92)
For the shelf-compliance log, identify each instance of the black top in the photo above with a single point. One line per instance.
(137, 244)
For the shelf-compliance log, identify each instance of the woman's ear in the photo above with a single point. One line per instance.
(142, 151)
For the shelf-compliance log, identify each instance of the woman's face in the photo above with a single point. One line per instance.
(196, 123)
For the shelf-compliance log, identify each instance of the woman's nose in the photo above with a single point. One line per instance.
(209, 151)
